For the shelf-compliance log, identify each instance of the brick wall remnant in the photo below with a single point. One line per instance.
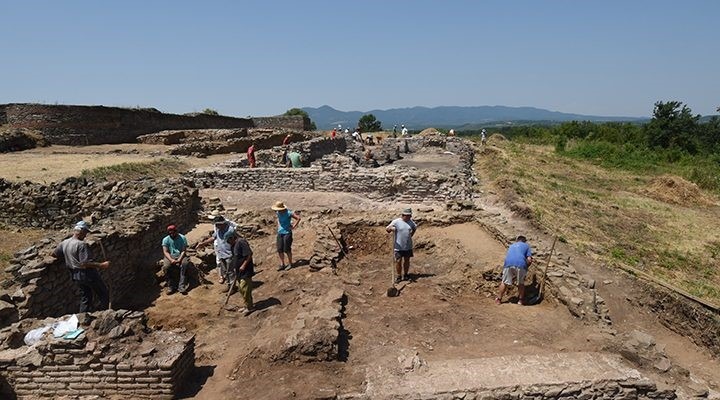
(117, 355)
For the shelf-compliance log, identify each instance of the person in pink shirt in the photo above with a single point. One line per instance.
(251, 155)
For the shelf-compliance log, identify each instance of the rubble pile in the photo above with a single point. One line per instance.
(314, 335)
(60, 204)
(109, 353)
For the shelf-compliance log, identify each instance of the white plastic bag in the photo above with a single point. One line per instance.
(35, 335)
(66, 326)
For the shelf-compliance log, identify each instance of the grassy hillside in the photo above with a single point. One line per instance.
(654, 222)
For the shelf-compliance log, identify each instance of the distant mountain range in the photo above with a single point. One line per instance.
(326, 117)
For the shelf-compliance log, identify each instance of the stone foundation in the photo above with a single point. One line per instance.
(339, 173)
(115, 356)
(538, 377)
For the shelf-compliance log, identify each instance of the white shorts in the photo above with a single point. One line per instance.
(516, 273)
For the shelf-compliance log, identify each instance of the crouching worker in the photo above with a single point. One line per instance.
(517, 261)
(242, 266)
(175, 260)
(84, 272)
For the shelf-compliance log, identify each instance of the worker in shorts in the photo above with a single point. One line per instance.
(517, 262)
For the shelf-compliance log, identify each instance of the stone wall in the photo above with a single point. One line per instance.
(292, 122)
(386, 184)
(131, 217)
(311, 148)
(338, 173)
(86, 125)
(117, 355)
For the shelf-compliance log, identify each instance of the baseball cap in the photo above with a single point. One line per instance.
(82, 226)
(171, 228)
(407, 211)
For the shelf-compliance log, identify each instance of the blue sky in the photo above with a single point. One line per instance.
(263, 57)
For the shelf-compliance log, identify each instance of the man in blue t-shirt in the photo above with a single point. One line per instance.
(174, 246)
(284, 235)
(517, 261)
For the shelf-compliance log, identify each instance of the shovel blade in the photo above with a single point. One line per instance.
(393, 292)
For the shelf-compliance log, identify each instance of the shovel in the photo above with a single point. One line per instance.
(538, 297)
(392, 290)
(229, 293)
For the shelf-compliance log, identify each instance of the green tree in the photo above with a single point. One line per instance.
(209, 111)
(304, 114)
(368, 123)
(673, 126)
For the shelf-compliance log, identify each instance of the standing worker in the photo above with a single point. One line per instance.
(242, 266)
(251, 156)
(84, 271)
(517, 261)
(404, 228)
(174, 246)
(333, 134)
(483, 138)
(404, 131)
(223, 252)
(285, 233)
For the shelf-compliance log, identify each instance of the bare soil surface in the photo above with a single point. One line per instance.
(445, 312)
(55, 163)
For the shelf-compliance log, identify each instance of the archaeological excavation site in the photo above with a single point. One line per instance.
(325, 326)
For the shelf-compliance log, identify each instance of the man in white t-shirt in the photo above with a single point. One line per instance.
(223, 251)
(404, 132)
(404, 228)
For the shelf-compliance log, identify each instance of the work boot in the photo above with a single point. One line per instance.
(171, 290)
(281, 267)
(398, 279)
(248, 310)
(184, 290)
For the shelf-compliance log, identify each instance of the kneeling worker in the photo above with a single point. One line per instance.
(242, 265)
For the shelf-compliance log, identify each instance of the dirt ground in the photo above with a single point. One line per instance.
(446, 312)
(55, 163)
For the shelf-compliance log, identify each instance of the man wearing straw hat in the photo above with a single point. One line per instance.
(284, 241)
(404, 229)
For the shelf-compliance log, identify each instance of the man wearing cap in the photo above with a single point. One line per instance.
(84, 271)
(284, 236)
(404, 229)
(223, 252)
(242, 266)
(517, 261)
(174, 246)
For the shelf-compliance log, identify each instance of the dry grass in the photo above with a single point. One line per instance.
(619, 217)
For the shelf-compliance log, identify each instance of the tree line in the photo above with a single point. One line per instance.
(674, 140)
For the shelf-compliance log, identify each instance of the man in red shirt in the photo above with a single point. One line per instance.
(251, 155)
